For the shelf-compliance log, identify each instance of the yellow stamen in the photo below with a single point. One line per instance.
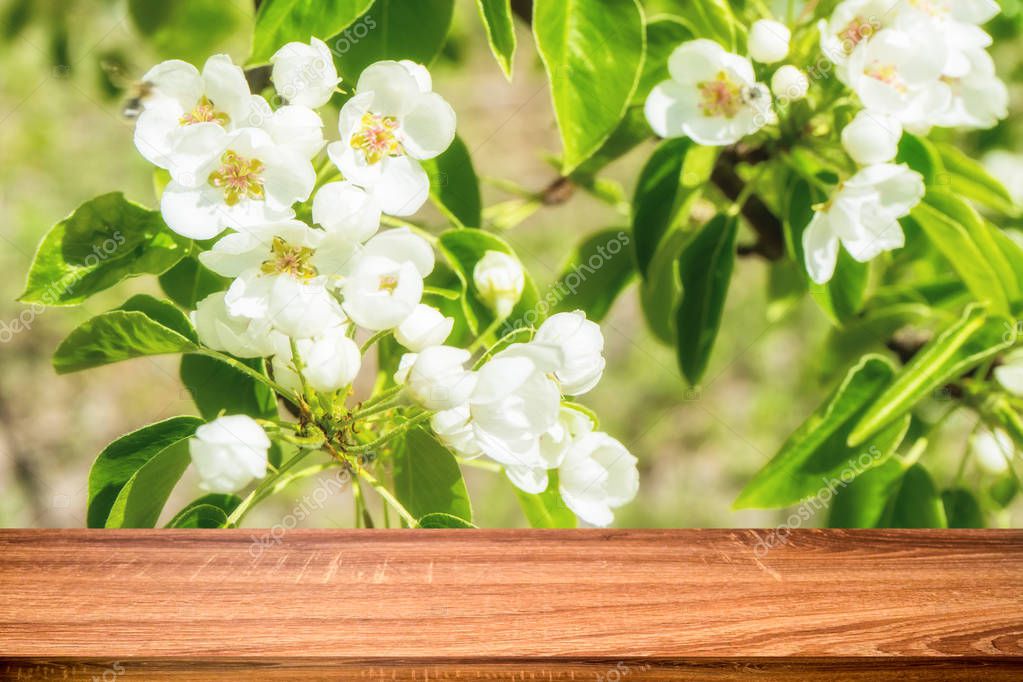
(239, 178)
(376, 138)
(720, 97)
(204, 112)
(289, 259)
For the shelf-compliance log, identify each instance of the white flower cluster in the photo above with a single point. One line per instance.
(236, 164)
(913, 64)
(511, 410)
(923, 62)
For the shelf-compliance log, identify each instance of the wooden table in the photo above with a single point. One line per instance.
(510, 604)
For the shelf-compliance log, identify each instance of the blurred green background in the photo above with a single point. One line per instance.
(68, 69)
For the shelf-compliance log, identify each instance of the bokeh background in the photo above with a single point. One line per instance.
(67, 70)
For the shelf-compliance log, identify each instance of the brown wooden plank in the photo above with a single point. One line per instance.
(702, 604)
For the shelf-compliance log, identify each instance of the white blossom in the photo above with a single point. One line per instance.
(276, 278)
(242, 337)
(581, 346)
(789, 83)
(438, 379)
(347, 210)
(872, 137)
(178, 98)
(597, 476)
(330, 361)
(304, 73)
(862, 216)
(454, 428)
(515, 402)
(769, 41)
(393, 121)
(236, 180)
(554, 445)
(425, 327)
(499, 279)
(713, 96)
(228, 452)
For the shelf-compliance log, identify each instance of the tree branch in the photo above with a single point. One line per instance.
(770, 240)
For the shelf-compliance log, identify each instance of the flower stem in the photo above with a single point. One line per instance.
(263, 489)
(377, 399)
(389, 498)
(482, 338)
(373, 340)
(392, 434)
(245, 369)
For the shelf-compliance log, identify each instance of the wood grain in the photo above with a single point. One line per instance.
(658, 605)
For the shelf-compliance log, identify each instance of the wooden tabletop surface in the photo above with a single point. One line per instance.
(613, 605)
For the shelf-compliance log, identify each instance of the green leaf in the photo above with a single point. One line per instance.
(547, 509)
(140, 501)
(1004, 490)
(106, 240)
(427, 478)
(592, 51)
(189, 29)
(190, 281)
(463, 249)
(441, 520)
(143, 326)
(984, 237)
(454, 187)
(119, 461)
(663, 34)
(659, 292)
(662, 197)
(714, 19)
(285, 21)
(209, 511)
(705, 267)
(630, 132)
(865, 502)
(601, 266)
(962, 253)
(497, 20)
(965, 344)
(919, 154)
(815, 458)
(217, 387)
(917, 504)
(962, 509)
(970, 180)
(397, 30)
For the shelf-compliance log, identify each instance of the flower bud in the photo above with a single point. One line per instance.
(219, 330)
(769, 41)
(872, 138)
(581, 344)
(789, 84)
(304, 74)
(499, 279)
(329, 361)
(425, 327)
(438, 379)
(229, 452)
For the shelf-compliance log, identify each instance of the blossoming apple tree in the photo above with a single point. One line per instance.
(321, 324)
